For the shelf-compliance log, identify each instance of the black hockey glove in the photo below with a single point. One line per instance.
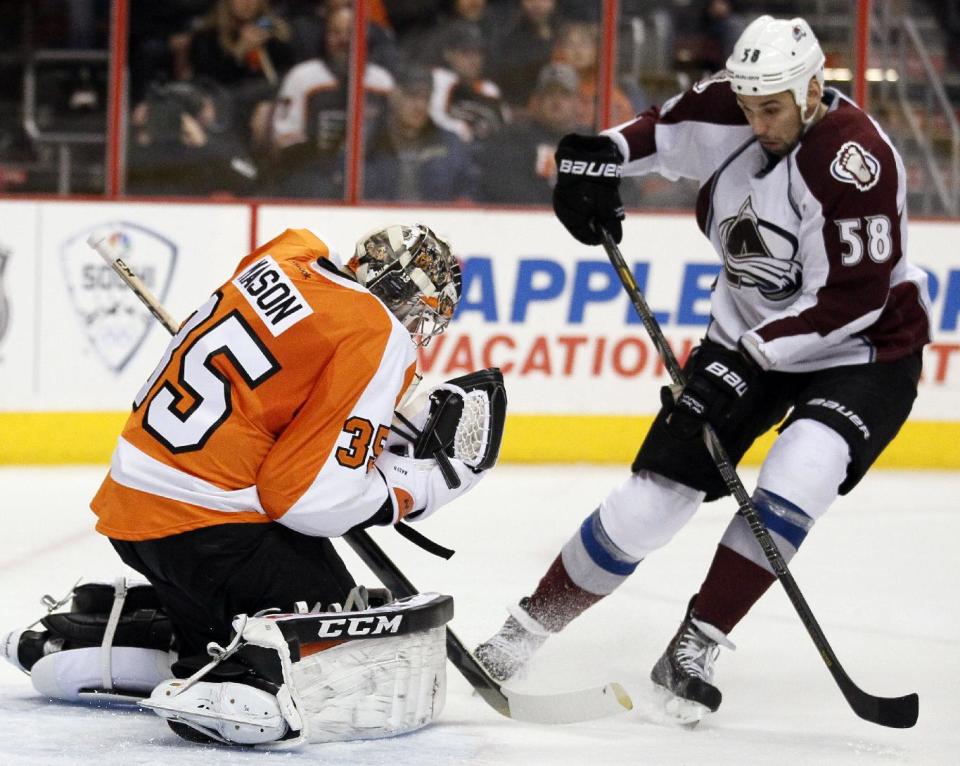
(719, 381)
(587, 194)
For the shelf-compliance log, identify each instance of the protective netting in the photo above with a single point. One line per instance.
(470, 439)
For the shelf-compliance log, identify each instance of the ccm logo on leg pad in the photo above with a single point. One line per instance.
(368, 625)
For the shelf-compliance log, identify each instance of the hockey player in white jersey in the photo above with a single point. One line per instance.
(816, 313)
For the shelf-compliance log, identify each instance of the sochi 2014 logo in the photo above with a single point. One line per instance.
(112, 317)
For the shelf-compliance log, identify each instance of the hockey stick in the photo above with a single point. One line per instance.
(98, 241)
(895, 712)
(564, 707)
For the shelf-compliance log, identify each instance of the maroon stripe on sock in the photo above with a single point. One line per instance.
(733, 585)
(557, 599)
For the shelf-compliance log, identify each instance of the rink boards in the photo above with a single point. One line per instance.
(582, 376)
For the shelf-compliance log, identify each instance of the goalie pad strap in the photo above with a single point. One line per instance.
(119, 596)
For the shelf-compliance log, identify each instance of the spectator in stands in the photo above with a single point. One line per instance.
(310, 116)
(409, 157)
(524, 49)
(240, 41)
(173, 151)
(411, 16)
(478, 13)
(463, 101)
(309, 22)
(720, 26)
(517, 164)
(577, 45)
(159, 41)
(243, 46)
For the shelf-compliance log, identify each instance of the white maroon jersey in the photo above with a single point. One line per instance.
(813, 246)
(271, 404)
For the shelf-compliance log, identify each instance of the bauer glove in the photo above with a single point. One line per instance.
(587, 195)
(719, 383)
(417, 487)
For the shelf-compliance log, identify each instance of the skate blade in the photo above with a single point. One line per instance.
(669, 709)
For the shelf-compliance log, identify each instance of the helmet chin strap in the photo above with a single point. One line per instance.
(813, 117)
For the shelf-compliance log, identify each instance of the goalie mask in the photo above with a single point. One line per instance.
(414, 273)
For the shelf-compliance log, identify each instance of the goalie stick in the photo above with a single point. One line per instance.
(895, 712)
(563, 707)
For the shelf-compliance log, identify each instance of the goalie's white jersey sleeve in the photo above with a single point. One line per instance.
(271, 404)
(813, 245)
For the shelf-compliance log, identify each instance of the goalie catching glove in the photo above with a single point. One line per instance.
(462, 418)
(443, 442)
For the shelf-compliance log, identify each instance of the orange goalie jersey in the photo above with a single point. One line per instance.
(270, 404)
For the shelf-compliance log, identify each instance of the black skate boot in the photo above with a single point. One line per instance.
(685, 671)
(508, 651)
(24, 647)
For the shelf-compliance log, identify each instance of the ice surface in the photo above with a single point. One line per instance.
(879, 571)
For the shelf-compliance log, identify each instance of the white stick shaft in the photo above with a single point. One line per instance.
(98, 242)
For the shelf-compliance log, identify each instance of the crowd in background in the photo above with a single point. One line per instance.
(464, 100)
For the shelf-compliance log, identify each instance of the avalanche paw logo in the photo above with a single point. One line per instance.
(758, 254)
(855, 165)
(113, 319)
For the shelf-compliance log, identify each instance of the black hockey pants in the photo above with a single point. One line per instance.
(206, 576)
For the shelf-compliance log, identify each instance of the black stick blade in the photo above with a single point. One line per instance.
(894, 712)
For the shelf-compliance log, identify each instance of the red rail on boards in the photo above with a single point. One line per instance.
(117, 97)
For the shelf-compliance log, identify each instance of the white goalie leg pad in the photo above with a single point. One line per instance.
(346, 675)
(371, 689)
(646, 511)
(70, 674)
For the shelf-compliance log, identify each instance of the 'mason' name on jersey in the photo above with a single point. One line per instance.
(272, 295)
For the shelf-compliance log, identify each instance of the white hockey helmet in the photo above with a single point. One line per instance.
(774, 55)
(414, 273)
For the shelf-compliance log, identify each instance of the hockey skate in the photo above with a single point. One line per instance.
(683, 675)
(507, 652)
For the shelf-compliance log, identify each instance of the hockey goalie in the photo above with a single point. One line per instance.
(270, 426)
